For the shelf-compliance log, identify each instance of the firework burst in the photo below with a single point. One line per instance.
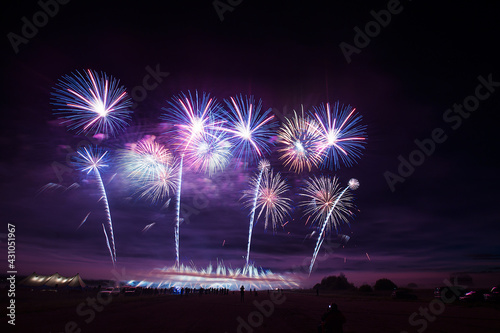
(192, 116)
(151, 168)
(341, 136)
(90, 160)
(210, 152)
(91, 103)
(326, 201)
(145, 159)
(271, 200)
(157, 189)
(299, 138)
(195, 119)
(250, 129)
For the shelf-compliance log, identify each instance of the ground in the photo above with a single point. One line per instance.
(296, 311)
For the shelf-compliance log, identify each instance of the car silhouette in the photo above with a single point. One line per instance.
(446, 294)
(110, 291)
(132, 291)
(471, 296)
(403, 294)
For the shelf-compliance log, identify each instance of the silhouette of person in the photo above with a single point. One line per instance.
(242, 293)
(332, 320)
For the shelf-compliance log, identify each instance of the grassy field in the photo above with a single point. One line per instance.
(291, 311)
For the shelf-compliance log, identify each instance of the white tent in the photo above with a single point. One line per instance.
(52, 281)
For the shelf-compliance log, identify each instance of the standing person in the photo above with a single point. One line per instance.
(332, 321)
(242, 293)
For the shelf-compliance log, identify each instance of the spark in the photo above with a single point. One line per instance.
(146, 228)
(84, 220)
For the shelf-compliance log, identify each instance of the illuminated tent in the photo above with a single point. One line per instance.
(51, 281)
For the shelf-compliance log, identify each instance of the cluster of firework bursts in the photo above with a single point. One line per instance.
(207, 136)
(219, 276)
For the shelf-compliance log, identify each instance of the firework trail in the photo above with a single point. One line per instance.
(250, 129)
(146, 228)
(196, 119)
(341, 135)
(107, 243)
(327, 202)
(91, 161)
(84, 220)
(266, 192)
(299, 138)
(53, 187)
(263, 166)
(177, 215)
(91, 103)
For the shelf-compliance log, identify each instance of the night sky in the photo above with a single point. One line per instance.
(419, 226)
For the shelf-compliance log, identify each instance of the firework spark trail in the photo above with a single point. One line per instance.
(177, 214)
(92, 104)
(108, 212)
(266, 192)
(91, 160)
(146, 228)
(107, 243)
(84, 220)
(353, 185)
(263, 165)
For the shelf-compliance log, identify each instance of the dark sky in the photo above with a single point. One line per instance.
(403, 81)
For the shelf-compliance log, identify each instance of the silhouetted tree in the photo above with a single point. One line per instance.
(366, 288)
(384, 284)
(335, 283)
